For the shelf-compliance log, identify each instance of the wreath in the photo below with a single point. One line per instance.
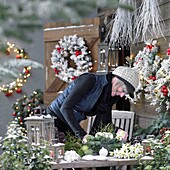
(71, 49)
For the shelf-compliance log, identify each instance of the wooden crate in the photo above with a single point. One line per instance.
(53, 32)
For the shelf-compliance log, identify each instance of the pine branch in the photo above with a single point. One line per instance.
(13, 63)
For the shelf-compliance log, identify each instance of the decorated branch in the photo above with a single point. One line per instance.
(24, 106)
(154, 72)
(71, 49)
(9, 67)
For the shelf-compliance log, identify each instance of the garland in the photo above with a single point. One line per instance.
(70, 48)
(21, 59)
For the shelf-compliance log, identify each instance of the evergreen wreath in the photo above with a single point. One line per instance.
(70, 48)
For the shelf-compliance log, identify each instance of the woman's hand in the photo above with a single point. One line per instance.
(85, 138)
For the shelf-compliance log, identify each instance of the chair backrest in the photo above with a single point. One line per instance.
(124, 120)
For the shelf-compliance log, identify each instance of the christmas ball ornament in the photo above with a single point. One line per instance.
(14, 114)
(19, 90)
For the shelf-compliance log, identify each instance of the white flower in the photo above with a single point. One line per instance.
(121, 135)
(104, 134)
(129, 151)
(71, 156)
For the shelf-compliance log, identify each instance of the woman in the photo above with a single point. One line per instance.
(92, 94)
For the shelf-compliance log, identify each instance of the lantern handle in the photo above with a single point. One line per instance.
(41, 107)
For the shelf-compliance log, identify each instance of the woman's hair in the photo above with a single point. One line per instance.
(116, 83)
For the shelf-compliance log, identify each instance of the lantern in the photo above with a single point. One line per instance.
(108, 57)
(146, 144)
(57, 151)
(39, 128)
(102, 57)
(39, 110)
(113, 57)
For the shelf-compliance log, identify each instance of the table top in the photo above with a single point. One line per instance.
(99, 163)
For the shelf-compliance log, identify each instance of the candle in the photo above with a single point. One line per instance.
(38, 135)
(33, 132)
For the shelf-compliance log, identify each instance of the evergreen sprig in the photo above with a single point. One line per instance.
(24, 106)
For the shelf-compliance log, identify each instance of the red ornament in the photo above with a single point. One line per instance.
(19, 90)
(27, 71)
(14, 114)
(74, 77)
(149, 47)
(8, 94)
(18, 57)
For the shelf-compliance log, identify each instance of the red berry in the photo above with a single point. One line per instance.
(164, 87)
(153, 78)
(165, 90)
(165, 94)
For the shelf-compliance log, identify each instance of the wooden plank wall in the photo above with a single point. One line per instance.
(53, 32)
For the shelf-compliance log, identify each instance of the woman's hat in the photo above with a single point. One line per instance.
(129, 76)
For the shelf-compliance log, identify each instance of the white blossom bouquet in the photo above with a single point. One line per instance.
(128, 151)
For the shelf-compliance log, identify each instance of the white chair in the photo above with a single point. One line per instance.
(124, 120)
(121, 119)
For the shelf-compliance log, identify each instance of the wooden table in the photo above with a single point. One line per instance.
(96, 163)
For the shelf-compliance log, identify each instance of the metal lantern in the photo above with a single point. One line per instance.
(146, 144)
(108, 57)
(102, 57)
(113, 57)
(39, 128)
(57, 151)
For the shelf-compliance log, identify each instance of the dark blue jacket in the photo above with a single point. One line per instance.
(81, 108)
